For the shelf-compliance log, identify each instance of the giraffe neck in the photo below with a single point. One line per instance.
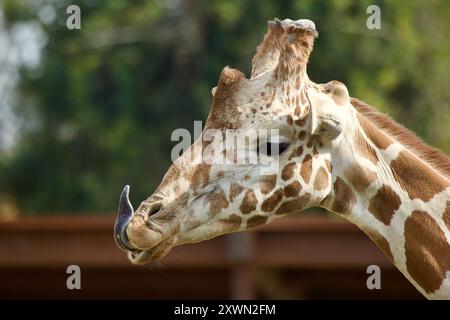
(398, 199)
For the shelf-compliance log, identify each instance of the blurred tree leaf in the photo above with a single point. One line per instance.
(107, 97)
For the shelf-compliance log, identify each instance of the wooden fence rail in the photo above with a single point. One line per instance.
(309, 257)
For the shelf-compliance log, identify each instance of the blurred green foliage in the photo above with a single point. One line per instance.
(107, 97)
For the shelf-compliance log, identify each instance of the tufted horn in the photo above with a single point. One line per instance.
(286, 47)
(222, 113)
(268, 52)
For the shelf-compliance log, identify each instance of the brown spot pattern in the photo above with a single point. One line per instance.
(301, 122)
(270, 203)
(288, 171)
(292, 189)
(289, 120)
(183, 199)
(295, 205)
(218, 201)
(416, 178)
(249, 202)
(233, 219)
(306, 169)
(267, 183)
(359, 177)
(344, 198)
(427, 251)
(379, 138)
(321, 181)
(296, 153)
(256, 221)
(384, 204)
(446, 216)
(301, 135)
(200, 176)
(364, 149)
(235, 190)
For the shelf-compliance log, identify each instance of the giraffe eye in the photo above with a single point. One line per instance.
(273, 148)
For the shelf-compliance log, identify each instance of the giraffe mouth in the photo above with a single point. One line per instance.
(155, 253)
(142, 239)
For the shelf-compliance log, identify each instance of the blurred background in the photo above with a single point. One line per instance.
(84, 112)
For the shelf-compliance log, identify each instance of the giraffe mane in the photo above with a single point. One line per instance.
(432, 156)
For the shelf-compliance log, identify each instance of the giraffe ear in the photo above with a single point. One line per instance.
(338, 92)
(327, 116)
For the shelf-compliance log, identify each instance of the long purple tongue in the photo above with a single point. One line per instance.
(124, 215)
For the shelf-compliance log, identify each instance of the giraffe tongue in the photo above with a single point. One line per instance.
(131, 231)
(124, 216)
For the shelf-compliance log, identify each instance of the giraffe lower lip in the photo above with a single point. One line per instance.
(141, 257)
(155, 253)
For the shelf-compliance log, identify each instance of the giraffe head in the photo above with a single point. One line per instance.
(288, 122)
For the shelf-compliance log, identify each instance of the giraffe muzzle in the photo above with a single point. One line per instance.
(132, 230)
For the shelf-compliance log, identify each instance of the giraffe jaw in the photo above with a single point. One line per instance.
(155, 253)
(147, 240)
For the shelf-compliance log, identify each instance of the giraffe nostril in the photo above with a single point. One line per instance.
(154, 208)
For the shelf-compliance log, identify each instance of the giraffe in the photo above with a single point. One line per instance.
(333, 151)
